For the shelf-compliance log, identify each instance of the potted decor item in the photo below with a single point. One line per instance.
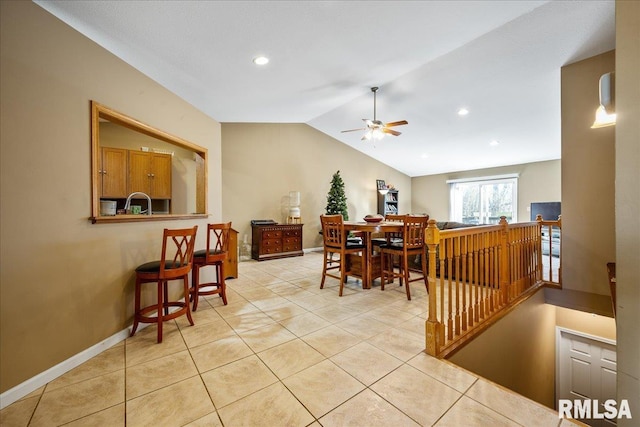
(336, 199)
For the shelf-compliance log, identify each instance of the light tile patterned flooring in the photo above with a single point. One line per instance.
(283, 353)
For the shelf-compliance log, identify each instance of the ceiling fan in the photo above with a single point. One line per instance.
(375, 128)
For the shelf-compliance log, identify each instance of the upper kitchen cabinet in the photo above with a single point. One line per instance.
(113, 172)
(150, 173)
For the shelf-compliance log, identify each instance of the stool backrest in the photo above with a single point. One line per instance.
(217, 242)
(333, 231)
(414, 226)
(180, 242)
(391, 236)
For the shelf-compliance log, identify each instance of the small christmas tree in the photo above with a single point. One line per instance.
(336, 200)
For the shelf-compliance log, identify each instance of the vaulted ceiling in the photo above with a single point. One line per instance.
(500, 60)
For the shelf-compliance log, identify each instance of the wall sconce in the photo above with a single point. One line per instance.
(606, 112)
(383, 191)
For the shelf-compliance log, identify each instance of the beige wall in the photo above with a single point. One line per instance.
(627, 207)
(67, 284)
(588, 323)
(518, 352)
(538, 182)
(588, 179)
(261, 163)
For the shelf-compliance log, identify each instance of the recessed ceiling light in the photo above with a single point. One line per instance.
(463, 111)
(494, 143)
(260, 60)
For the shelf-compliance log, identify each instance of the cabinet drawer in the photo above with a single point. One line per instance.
(271, 234)
(271, 249)
(291, 241)
(268, 243)
(292, 233)
(271, 246)
(290, 247)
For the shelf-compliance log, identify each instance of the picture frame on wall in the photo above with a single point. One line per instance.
(381, 184)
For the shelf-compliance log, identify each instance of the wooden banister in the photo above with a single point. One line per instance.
(478, 274)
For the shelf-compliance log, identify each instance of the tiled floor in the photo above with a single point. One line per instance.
(283, 353)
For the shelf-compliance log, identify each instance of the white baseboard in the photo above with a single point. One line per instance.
(21, 390)
(320, 249)
(18, 392)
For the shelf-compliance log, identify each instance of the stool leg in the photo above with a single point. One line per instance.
(222, 284)
(405, 266)
(324, 268)
(186, 298)
(136, 308)
(195, 285)
(161, 286)
(383, 273)
(343, 276)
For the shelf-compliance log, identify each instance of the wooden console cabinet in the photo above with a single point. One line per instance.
(276, 241)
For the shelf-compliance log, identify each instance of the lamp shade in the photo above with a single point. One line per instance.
(606, 112)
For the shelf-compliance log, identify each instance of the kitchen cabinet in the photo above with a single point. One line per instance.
(150, 173)
(113, 172)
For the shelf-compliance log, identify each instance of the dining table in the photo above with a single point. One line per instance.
(367, 230)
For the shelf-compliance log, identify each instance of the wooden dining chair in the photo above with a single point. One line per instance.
(174, 264)
(215, 254)
(412, 244)
(335, 242)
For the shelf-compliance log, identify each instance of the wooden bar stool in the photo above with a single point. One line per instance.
(169, 267)
(412, 243)
(215, 254)
(336, 242)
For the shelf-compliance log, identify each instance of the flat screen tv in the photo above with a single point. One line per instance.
(550, 211)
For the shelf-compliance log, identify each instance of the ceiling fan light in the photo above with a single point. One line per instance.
(377, 134)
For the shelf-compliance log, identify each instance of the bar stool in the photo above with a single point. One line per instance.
(215, 254)
(335, 241)
(412, 244)
(169, 267)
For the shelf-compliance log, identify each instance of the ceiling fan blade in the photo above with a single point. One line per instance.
(391, 131)
(353, 130)
(398, 123)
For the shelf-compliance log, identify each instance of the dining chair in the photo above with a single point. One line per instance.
(389, 237)
(412, 244)
(335, 242)
(175, 263)
(215, 254)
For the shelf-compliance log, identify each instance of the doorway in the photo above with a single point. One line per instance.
(586, 369)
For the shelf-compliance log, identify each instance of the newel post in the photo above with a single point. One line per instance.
(432, 326)
(505, 270)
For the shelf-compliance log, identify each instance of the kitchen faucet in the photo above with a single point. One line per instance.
(127, 204)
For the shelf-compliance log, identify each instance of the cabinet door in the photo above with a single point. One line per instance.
(160, 176)
(113, 172)
(139, 172)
